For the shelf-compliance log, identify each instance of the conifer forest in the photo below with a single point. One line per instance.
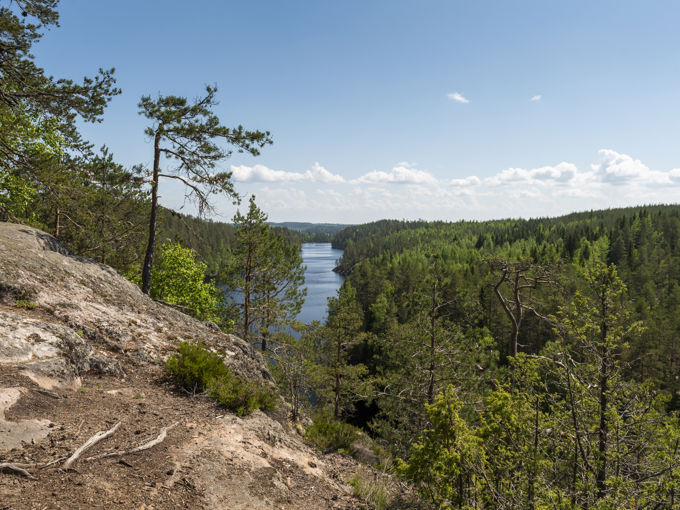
(505, 364)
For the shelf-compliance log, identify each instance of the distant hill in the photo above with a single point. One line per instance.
(213, 240)
(311, 228)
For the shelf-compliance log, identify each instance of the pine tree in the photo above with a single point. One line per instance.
(269, 275)
(38, 113)
(618, 447)
(278, 292)
(185, 136)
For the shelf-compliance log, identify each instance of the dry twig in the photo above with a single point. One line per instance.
(145, 446)
(99, 436)
(17, 468)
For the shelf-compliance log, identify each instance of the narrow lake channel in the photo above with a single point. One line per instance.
(320, 280)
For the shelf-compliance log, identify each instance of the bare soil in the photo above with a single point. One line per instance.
(171, 475)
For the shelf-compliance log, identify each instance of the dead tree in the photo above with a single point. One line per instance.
(520, 278)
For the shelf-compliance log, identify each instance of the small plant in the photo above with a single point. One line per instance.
(25, 303)
(371, 489)
(241, 396)
(84, 390)
(195, 365)
(197, 369)
(330, 434)
(137, 396)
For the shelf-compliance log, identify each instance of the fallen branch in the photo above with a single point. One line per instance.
(51, 463)
(80, 426)
(17, 468)
(99, 436)
(145, 446)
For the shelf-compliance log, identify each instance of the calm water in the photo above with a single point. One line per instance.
(320, 280)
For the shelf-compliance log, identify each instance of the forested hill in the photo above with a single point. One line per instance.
(545, 240)
(214, 240)
(311, 228)
(387, 262)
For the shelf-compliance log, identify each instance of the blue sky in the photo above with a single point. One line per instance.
(403, 109)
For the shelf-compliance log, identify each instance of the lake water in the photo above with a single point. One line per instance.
(320, 280)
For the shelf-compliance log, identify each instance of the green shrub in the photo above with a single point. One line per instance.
(241, 396)
(197, 369)
(25, 303)
(178, 278)
(195, 365)
(329, 434)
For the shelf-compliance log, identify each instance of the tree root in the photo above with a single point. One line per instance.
(145, 446)
(21, 468)
(99, 436)
(17, 468)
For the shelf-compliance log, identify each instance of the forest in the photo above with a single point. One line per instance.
(499, 364)
(544, 350)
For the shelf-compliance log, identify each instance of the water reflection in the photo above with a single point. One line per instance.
(320, 280)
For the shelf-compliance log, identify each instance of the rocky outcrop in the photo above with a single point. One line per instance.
(87, 310)
(14, 434)
(80, 353)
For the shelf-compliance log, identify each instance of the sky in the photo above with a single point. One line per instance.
(428, 109)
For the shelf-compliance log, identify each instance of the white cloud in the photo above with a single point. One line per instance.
(320, 174)
(260, 173)
(472, 180)
(535, 98)
(613, 180)
(398, 175)
(616, 168)
(560, 173)
(458, 97)
(619, 169)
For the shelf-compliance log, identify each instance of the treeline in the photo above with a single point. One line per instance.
(314, 232)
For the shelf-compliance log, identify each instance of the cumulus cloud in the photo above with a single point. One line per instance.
(261, 173)
(619, 169)
(560, 173)
(458, 97)
(406, 191)
(320, 174)
(535, 98)
(398, 175)
(472, 180)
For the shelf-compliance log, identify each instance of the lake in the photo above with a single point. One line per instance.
(320, 280)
